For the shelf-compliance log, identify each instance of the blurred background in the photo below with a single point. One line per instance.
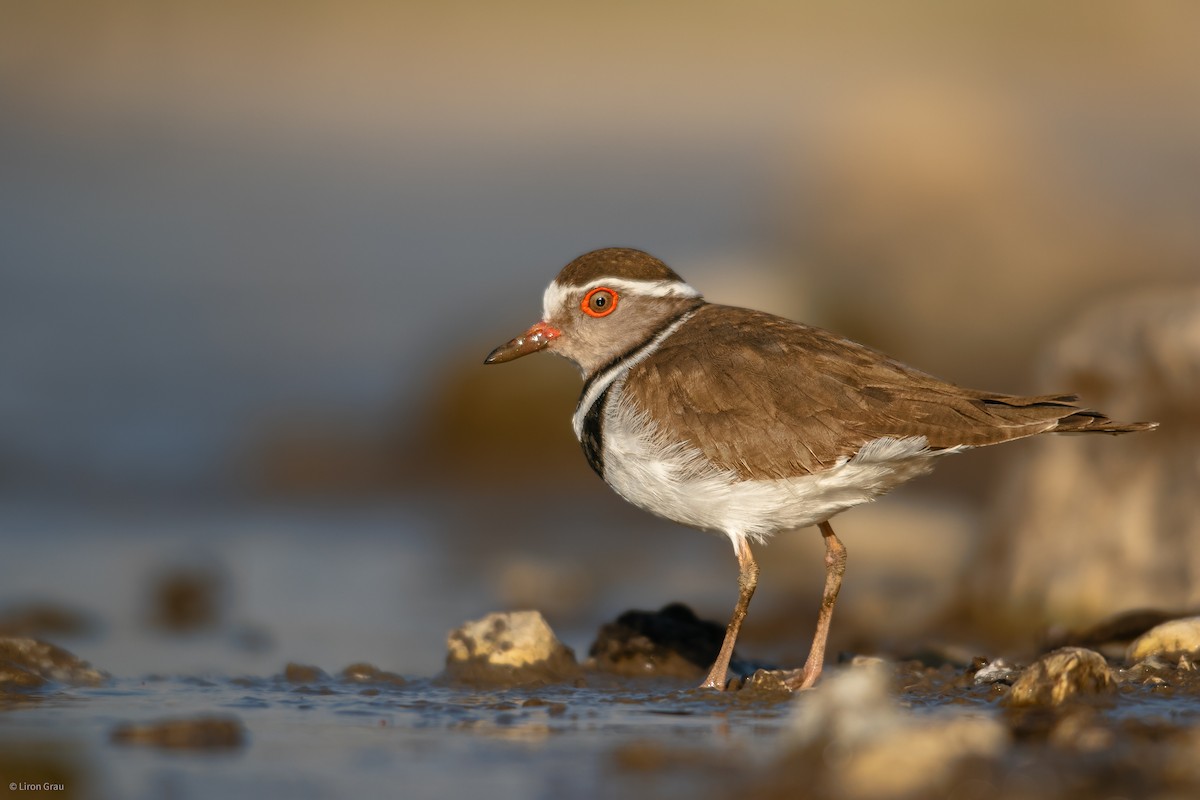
(254, 253)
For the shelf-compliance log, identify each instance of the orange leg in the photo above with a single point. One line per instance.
(835, 567)
(747, 580)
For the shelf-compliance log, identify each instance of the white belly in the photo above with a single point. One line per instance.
(675, 481)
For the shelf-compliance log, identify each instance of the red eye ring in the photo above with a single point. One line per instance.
(599, 302)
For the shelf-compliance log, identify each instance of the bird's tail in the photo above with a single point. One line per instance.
(1087, 421)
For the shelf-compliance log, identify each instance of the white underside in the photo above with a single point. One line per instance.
(676, 481)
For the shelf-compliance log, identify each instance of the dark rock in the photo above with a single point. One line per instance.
(188, 599)
(670, 642)
(511, 648)
(212, 732)
(29, 663)
(1060, 676)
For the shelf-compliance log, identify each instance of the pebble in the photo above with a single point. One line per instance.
(1170, 640)
(207, 732)
(516, 647)
(998, 671)
(1061, 675)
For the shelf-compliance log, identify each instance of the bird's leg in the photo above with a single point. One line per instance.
(835, 567)
(747, 580)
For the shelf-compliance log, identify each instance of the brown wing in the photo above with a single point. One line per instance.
(769, 398)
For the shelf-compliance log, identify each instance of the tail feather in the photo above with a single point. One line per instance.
(1054, 413)
(1087, 421)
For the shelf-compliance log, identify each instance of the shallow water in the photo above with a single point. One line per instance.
(415, 740)
(610, 738)
(333, 587)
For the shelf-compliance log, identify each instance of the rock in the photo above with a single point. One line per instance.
(370, 674)
(516, 647)
(1170, 640)
(188, 598)
(768, 680)
(1088, 526)
(212, 732)
(670, 642)
(29, 663)
(303, 673)
(14, 678)
(1061, 675)
(854, 740)
(998, 671)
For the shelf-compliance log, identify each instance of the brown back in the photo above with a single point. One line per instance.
(766, 397)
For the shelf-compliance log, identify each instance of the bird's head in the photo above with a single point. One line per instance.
(601, 306)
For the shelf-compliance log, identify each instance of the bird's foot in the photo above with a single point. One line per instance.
(719, 684)
(715, 681)
(799, 680)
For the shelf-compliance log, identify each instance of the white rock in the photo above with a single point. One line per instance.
(1173, 640)
(505, 644)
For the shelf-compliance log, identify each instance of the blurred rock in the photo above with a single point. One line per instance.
(851, 738)
(670, 642)
(516, 647)
(46, 619)
(1088, 526)
(213, 732)
(190, 598)
(1060, 676)
(1171, 641)
(303, 673)
(14, 678)
(29, 663)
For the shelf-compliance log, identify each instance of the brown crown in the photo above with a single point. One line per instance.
(615, 262)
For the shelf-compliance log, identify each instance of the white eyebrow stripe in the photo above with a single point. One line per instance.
(555, 292)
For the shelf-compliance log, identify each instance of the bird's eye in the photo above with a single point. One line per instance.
(599, 302)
